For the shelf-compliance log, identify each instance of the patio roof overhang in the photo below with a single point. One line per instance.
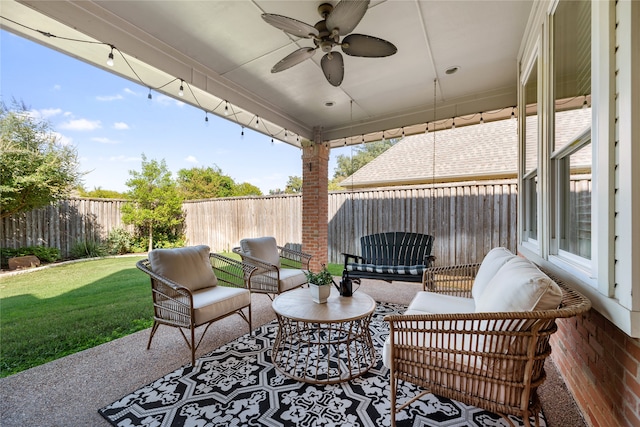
(224, 51)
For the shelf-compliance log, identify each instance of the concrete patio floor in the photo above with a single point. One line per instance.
(68, 392)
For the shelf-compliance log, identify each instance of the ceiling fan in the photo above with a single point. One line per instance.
(336, 21)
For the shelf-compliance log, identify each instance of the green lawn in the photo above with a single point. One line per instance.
(51, 313)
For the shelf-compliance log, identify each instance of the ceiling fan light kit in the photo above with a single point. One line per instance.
(336, 21)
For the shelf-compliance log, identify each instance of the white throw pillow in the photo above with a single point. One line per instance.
(189, 266)
(519, 286)
(263, 248)
(496, 258)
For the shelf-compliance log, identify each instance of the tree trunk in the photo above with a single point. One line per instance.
(150, 237)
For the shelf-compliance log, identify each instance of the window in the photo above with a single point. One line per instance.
(571, 157)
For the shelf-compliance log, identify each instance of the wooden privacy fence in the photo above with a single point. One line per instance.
(64, 224)
(466, 220)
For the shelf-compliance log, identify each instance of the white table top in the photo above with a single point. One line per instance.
(298, 305)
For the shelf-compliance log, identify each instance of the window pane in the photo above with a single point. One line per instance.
(576, 236)
(531, 156)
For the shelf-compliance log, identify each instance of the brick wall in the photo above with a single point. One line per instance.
(315, 202)
(601, 367)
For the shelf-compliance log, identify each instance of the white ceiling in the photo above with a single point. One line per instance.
(224, 51)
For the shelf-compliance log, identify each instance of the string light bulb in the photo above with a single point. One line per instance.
(149, 97)
(403, 132)
(513, 113)
(226, 108)
(257, 122)
(110, 58)
(206, 117)
(181, 90)
(481, 119)
(453, 124)
(426, 130)
(383, 138)
(286, 135)
(584, 103)
(242, 133)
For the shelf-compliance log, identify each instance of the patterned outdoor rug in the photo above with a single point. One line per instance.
(237, 385)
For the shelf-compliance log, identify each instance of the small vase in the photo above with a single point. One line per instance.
(319, 294)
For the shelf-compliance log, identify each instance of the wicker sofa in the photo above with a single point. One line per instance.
(479, 334)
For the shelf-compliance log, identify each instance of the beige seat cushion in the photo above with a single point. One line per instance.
(263, 248)
(519, 286)
(290, 278)
(434, 303)
(188, 266)
(492, 262)
(209, 304)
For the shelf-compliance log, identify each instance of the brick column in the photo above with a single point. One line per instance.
(315, 199)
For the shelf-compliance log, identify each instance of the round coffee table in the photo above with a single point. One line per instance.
(323, 343)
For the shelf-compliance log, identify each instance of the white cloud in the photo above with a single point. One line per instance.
(57, 87)
(110, 97)
(130, 92)
(124, 159)
(103, 140)
(167, 100)
(62, 139)
(50, 112)
(120, 126)
(191, 159)
(81, 125)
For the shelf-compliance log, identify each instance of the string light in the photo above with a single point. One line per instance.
(584, 103)
(181, 90)
(513, 113)
(206, 117)
(383, 138)
(242, 133)
(426, 130)
(481, 119)
(226, 108)
(257, 122)
(110, 58)
(403, 132)
(149, 97)
(286, 135)
(453, 124)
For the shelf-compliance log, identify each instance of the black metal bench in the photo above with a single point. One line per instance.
(390, 256)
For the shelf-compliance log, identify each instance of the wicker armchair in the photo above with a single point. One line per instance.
(192, 287)
(493, 361)
(279, 269)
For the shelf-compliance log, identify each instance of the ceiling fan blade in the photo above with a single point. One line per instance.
(333, 67)
(293, 59)
(290, 25)
(346, 15)
(367, 46)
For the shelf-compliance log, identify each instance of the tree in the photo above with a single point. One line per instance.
(210, 182)
(99, 193)
(35, 168)
(348, 165)
(155, 202)
(246, 189)
(294, 185)
(204, 183)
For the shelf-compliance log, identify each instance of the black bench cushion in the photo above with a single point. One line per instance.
(396, 249)
(388, 269)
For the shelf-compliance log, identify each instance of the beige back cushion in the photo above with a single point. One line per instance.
(496, 258)
(263, 248)
(519, 286)
(189, 266)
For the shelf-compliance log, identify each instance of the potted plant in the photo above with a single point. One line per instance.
(320, 284)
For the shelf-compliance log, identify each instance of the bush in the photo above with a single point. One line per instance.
(119, 242)
(43, 253)
(87, 249)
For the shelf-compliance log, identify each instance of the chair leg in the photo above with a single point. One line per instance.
(193, 346)
(153, 332)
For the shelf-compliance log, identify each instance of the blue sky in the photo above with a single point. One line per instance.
(111, 123)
